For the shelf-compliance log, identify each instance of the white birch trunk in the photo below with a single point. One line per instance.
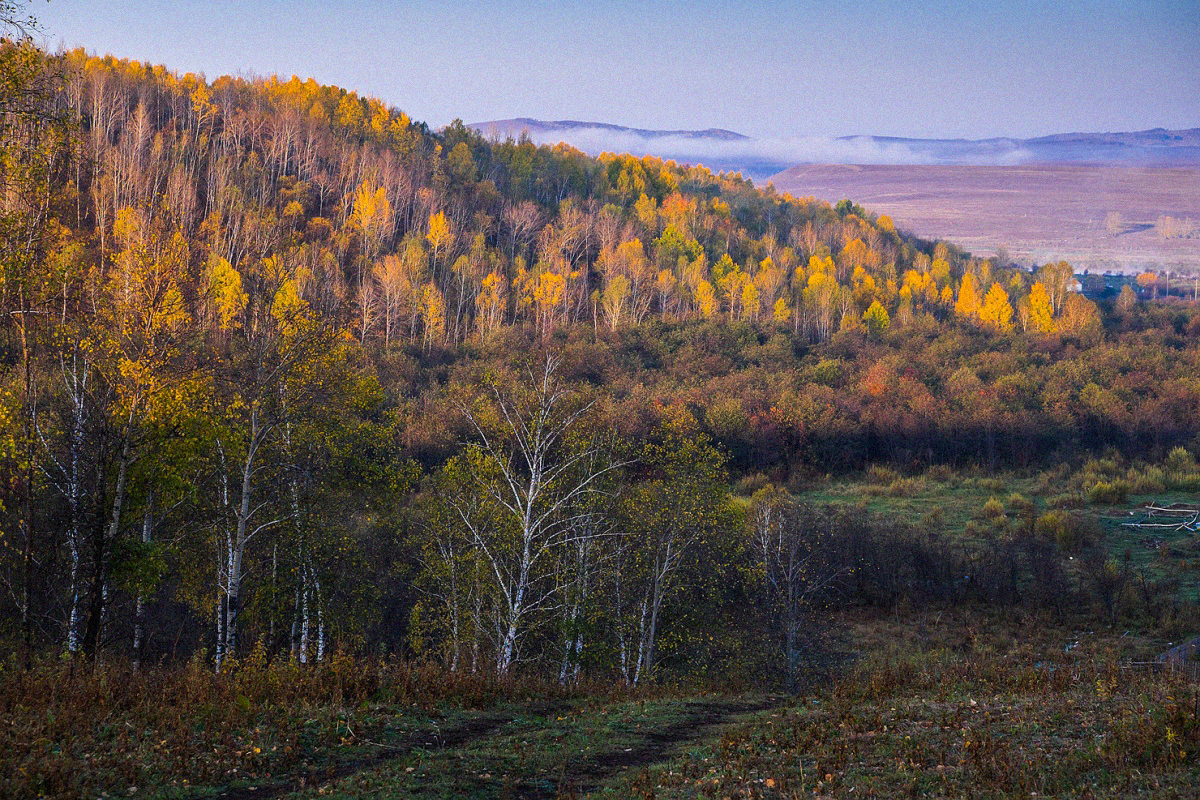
(239, 538)
(305, 620)
(76, 381)
(139, 619)
(320, 618)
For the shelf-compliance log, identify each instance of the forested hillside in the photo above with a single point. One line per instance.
(285, 371)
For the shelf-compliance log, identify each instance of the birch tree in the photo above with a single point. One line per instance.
(528, 480)
(134, 345)
(680, 501)
(32, 142)
(288, 371)
(791, 550)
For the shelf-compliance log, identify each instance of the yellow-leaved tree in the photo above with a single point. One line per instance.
(706, 299)
(750, 301)
(226, 297)
(440, 236)
(782, 311)
(1080, 317)
(968, 297)
(133, 342)
(615, 299)
(1057, 279)
(491, 303)
(997, 311)
(1041, 311)
(821, 299)
(876, 319)
(433, 313)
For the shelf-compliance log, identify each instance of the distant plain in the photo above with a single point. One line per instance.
(1098, 218)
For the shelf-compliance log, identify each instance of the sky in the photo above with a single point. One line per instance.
(768, 69)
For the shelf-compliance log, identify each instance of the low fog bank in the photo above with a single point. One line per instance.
(800, 150)
(761, 158)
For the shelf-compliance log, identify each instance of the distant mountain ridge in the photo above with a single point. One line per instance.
(725, 150)
(1155, 137)
(515, 127)
(1157, 147)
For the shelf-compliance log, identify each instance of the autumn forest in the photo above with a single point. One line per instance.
(284, 373)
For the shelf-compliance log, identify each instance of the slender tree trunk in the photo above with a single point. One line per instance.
(652, 631)
(477, 625)
(650, 608)
(573, 645)
(26, 483)
(274, 599)
(219, 655)
(643, 640)
(506, 653)
(320, 618)
(102, 537)
(455, 609)
(295, 641)
(234, 583)
(516, 607)
(238, 544)
(305, 620)
(139, 622)
(73, 636)
(622, 636)
(76, 386)
(790, 624)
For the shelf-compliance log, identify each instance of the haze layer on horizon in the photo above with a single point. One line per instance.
(941, 69)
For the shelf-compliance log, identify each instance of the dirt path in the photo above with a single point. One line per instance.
(435, 739)
(703, 721)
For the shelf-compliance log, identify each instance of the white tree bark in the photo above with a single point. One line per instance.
(539, 483)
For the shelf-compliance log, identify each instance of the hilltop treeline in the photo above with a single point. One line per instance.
(285, 369)
(397, 234)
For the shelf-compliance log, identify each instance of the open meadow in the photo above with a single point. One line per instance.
(946, 703)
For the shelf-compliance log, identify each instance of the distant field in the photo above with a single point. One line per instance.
(1097, 217)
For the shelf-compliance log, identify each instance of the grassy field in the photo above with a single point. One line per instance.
(955, 506)
(949, 702)
(953, 728)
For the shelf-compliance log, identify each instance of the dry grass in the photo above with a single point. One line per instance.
(941, 708)
(71, 731)
(946, 701)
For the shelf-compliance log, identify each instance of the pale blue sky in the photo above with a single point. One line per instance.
(767, 69)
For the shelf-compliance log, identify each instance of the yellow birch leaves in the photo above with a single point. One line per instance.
(225, 293)
(996, 311)
(968, 297)
(1041, 312)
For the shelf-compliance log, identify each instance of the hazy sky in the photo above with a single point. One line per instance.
(943, 68)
